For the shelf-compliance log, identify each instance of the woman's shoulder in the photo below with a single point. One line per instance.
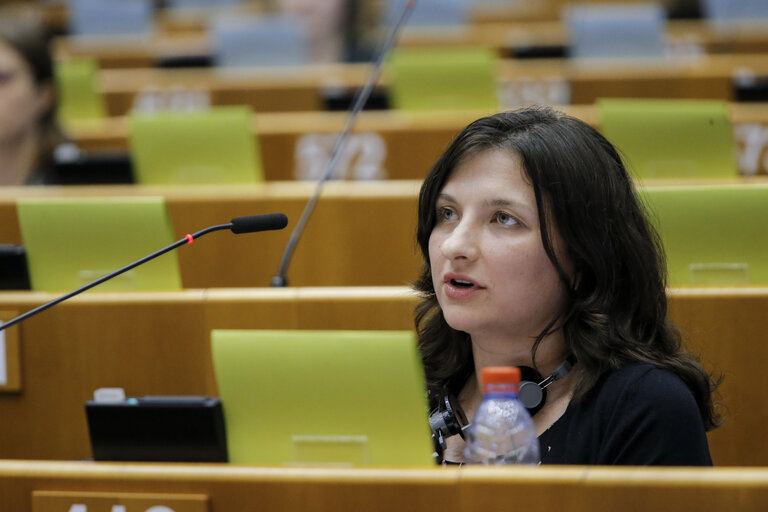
(643, 377)
(643, 414)
(640, 394)
(644, 382)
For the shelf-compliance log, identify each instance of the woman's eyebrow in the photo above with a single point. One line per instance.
(501, 202)
(446, 197)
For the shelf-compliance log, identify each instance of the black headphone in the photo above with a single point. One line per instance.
(449, 419)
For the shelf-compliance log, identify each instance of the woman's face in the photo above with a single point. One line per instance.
(22, 102)
(490, 271)
(321, 17)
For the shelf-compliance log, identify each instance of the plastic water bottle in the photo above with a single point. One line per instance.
(502, 430)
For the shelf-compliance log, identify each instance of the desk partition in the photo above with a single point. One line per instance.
(158, 344)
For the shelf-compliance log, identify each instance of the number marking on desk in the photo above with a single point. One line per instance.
(10, 356)
(534, 91)
(178, 97)
(72, 501)
(752, 139)
(363, 158)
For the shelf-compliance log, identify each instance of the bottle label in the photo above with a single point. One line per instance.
(501, 387)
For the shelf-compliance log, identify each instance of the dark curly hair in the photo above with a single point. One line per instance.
(616, 309)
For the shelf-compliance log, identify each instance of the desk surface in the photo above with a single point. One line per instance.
(535, 489)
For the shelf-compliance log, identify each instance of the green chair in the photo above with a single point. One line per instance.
(73, 241)
(338, 398)
(671, 138)
(712, 235)
(443, 79)
(214, 145)
(78, 94)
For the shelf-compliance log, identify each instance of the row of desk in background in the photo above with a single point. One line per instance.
(481, 11)
(359, 234)
(392, 144)
(187, 36)
(363, 233)
(316, 87)
(159, 344)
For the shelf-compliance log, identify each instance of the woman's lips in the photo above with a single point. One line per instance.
(459, 287)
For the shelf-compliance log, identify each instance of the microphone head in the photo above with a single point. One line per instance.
(254, 223)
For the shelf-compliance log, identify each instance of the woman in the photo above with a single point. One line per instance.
(537, 251)
(337, 30)
(28, 129)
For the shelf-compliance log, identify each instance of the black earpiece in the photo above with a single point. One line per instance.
(530, 393)
(533, 388)
(449, 419)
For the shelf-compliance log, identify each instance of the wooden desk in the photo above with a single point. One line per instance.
(360, 234)
(551, 81)
(508, 36)
(348, 215)
(466, 489)
(158, 344)
(690, 37)
(394, 144)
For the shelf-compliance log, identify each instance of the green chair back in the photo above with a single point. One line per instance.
(712, 235)
(350, 398)
(671, 138)
(443, 79)
(78, 94)
(208, 146)
(72, 241)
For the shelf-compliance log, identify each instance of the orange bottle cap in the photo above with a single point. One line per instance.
(501, 378)
(501, 375)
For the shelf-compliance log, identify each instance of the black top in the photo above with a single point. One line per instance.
(638, 415)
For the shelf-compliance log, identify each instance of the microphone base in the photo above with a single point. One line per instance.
(278, 282)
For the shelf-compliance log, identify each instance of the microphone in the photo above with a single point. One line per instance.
(238, 225)
(280, 279)
(254, 223)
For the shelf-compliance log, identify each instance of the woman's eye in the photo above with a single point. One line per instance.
(505, 219)
(444, 214)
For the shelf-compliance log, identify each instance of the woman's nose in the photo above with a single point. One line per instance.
(461, 242)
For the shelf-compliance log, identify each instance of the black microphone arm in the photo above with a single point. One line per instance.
(238, 225)
(280, 279)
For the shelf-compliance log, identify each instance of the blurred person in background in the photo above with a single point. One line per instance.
(337, 30)
(28, 129)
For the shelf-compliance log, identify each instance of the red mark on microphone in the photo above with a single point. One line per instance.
(189, 239)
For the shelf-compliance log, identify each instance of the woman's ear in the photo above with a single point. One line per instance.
(46, 99)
